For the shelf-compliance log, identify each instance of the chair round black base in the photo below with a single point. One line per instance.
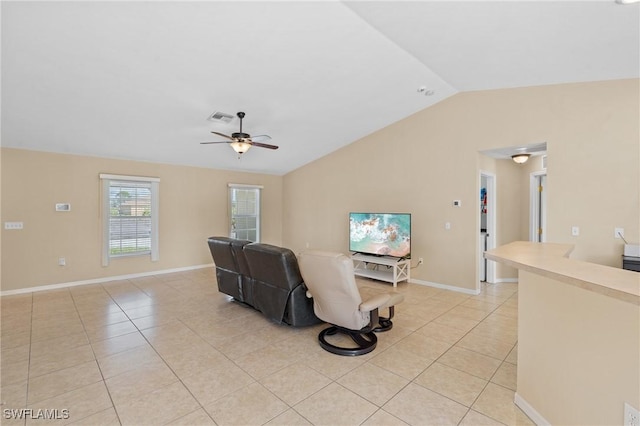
(366, 342)
(384, 324)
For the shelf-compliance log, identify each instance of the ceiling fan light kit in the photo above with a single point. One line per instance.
(241, 142)
(240, 147)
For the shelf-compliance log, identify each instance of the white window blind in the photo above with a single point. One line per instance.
(130, 216)
(244, 212)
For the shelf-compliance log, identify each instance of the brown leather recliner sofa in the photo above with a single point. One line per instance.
(265, 277)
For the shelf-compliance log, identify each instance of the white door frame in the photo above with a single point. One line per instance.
(491, 224)
(534, 207)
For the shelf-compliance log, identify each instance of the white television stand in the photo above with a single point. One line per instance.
(382, 268)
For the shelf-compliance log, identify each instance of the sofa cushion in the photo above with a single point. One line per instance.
(275, 265)
(223, 257)
(231, 267)
(237, 247)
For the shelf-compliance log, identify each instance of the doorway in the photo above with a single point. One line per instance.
(487, 219)
(538, 213)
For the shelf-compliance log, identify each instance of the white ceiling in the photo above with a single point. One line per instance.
(137, 80)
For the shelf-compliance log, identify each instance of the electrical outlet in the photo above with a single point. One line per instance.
(62, 261)
(631, 416)
(420, 261)
(13, 225)
(618, 233)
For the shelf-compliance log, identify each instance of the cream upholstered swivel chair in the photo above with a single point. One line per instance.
(331, 282)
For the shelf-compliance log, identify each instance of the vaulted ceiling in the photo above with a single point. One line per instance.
(138, 80)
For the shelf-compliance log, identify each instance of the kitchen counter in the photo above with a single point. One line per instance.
(551, 260)
(578, 336)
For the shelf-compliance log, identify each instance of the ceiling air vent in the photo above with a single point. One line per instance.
(220, 117)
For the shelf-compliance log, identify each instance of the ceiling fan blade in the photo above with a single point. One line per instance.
(264, 145)
(260, 138)
(207, 143)
(222, 134)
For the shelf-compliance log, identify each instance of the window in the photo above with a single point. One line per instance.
(244, 212)
(130, 216)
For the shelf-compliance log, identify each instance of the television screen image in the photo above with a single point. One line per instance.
(382, 234)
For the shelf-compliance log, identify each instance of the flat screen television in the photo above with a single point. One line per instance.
(380, 234)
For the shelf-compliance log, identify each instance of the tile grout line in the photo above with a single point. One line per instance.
(164, 361)
(104, 382)
(469, 408)
(415, 332)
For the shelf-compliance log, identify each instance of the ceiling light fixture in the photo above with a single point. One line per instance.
(240, 147)
(627, 1)
(520, 158)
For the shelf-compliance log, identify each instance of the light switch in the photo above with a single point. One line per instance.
(63, 207)
(575, 231)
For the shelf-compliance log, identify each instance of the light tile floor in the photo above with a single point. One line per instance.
(171, 349)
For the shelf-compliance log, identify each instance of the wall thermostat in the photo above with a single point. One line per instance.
(63, 207)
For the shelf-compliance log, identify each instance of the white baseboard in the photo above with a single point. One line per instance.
(446, 287)
(102, 280)
(506, 280)
(530, 411)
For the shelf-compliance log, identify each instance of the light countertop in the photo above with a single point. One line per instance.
(552, 260)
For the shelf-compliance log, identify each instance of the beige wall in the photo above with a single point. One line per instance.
(424, 162)
(533, 165)
(511, 198)
(417, 165)
(514, 205)
(1, 222)
(594, 170)
(510, 215)
(578, 352)
(193, 206)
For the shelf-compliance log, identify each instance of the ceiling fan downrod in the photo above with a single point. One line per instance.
(240, 134)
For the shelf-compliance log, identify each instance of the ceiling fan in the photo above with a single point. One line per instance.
(241, 142)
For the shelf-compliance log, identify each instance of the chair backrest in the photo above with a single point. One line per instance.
(331, 281)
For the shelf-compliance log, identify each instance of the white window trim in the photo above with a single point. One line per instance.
(246, 186)
(155, 208)
(129, 178)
